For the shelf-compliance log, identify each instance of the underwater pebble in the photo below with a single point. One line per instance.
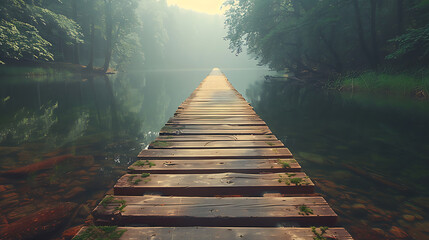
(379, 231)
(359, 206)
(75, 191)
(409, 218)
(397, 232)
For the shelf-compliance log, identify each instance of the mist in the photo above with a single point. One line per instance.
(176, 38)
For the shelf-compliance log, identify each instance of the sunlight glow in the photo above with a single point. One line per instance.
(204, 6)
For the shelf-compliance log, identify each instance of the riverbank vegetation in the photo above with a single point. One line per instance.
(332, 39)
(415, 85)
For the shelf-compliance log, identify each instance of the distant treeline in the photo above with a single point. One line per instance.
(331, 36)
(122, 34)
(77, 31)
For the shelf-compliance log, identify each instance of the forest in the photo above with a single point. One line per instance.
(325, 39)
(331, 38)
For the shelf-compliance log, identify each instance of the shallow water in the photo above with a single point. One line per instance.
(368, 156)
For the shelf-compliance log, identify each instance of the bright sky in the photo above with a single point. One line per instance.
(205, 6)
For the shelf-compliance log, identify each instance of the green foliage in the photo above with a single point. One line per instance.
(58, 24)
(319, 236)
(413, 45)
(403, 83)
(145, 175)
(111, 199)
(100, 233)
(330, 36)
(296, 181)
(305, 210)
(141, 163)
(48, 30)
(19, 40)
(107, 200)
(284, 164)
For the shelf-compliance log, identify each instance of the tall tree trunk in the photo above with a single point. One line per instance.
(374, 32)
(76, 44)
(332, 51)
(109, 29)
(91, 47)
(399, 16)
(360, 34)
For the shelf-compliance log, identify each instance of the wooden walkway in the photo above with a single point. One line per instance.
(216, 171)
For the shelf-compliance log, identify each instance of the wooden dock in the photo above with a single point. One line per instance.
(216, 171)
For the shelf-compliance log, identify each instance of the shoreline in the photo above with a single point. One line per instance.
(401, 84)
(44, 69)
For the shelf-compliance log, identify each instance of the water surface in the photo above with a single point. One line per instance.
(367, 155)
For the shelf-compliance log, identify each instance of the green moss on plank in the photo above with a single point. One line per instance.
(100, 232)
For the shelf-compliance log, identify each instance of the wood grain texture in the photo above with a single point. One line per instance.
(210, 185)
(214, 144)
(214, 166)
(228, 233)
(215, 212)
(176, 138)
(255, 153)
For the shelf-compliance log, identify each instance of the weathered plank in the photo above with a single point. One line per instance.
(215, 127)
(228, 129)
(213, 104)
(230, 233)
(177, 138)
(210, 185)
(250, 153)
(220, 112)
(214, 144)
(214, 166)
(214, 132)
(245, 107)
(216, 122)
(216, 212)
(176, 127)
(217, 117)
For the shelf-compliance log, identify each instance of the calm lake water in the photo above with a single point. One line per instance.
(369, 156)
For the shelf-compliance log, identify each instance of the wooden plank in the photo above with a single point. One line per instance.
(214, 115)
(217, 117)
(250, 153)
(230, 233)
(213, 104)
(216, 122)
(176, 127)
(215, 144)
(177, 138)
(215, 108)
(214, 166)
(210, 185)
(217, 212)
(214, 132)
(221, 112)
(223, 101)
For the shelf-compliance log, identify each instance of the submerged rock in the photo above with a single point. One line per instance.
(35, 167)
(74, 192)
(38, 223)
(311, 157)
(397, 232)
(409, 218)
